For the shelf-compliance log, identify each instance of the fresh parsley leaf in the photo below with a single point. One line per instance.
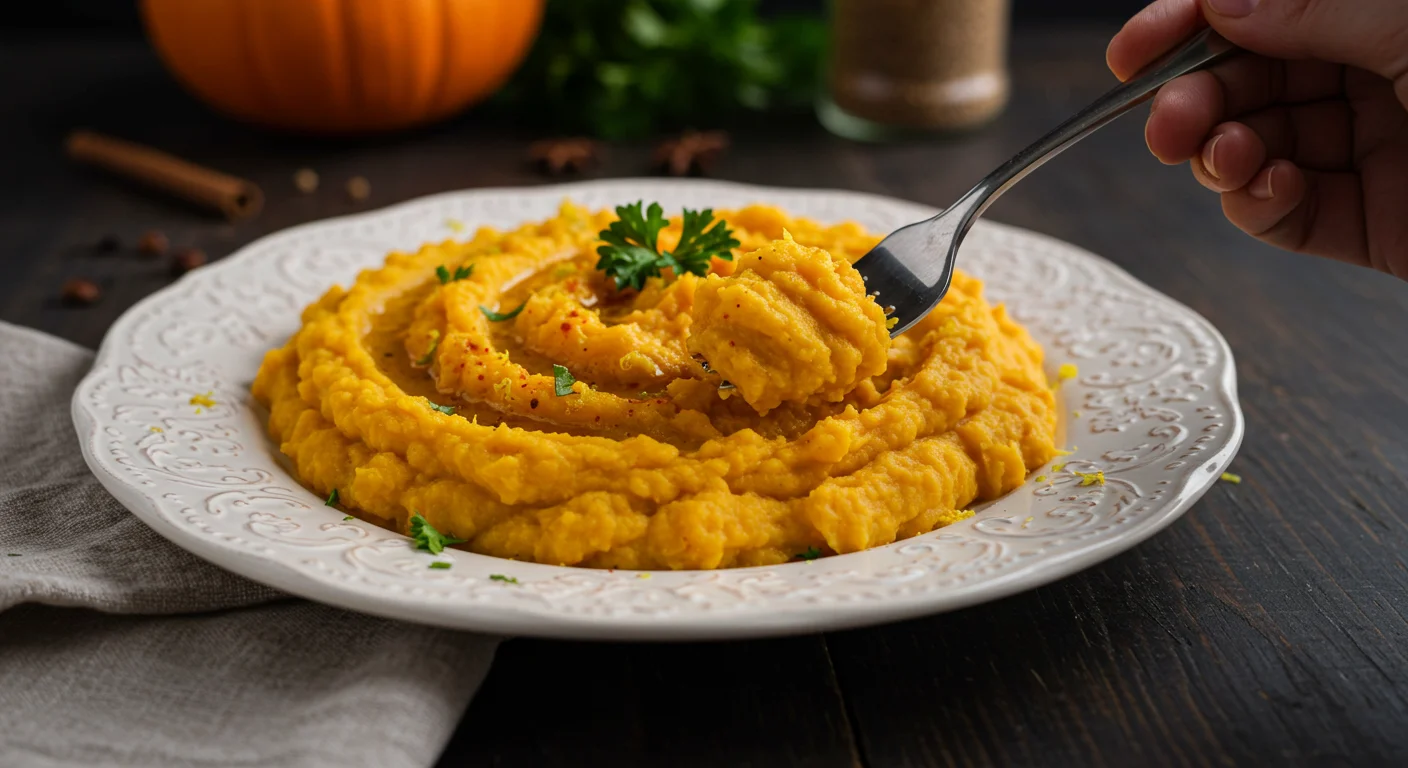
(448, 410)
(13, 554)
(631, 255)
(503, 578)
(562, 381)
(499, 317)
(348, 517)
(443, 274)
(440, 565)
(699, 242)
(812, 553)
(427, 538)
(332, 498)
(430, 353)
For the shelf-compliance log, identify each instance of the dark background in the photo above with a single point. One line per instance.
(115, 17)
(1267, 627)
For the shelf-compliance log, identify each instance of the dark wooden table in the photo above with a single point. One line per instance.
(1267, 626)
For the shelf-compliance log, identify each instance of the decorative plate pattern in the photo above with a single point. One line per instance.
(1156, 398)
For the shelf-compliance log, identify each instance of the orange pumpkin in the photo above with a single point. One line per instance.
(342, 66)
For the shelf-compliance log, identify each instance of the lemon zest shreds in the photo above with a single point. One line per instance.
(158, 429)
(1057, 467)
(1067, 371)
(1041, 478)
(1229, 477)
(642, 575)
(455, 225)
(1091, 478)
(206, 400)
(1060, 452)
(1075, 414)
(891, 323)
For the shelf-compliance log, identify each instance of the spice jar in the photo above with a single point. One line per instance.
(901, 67)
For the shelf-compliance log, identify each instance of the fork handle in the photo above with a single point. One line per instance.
(1200, 51)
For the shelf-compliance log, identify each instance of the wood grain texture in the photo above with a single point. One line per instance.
(1267, 626)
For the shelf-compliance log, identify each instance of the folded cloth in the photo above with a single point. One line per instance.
(141, 654)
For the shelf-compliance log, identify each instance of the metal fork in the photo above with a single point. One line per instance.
(909, 271)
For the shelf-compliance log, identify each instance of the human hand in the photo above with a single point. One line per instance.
(1306, 138)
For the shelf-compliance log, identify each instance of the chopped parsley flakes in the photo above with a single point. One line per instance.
(562, 381)
(448, 410)
(503, 578)
(426, 537)
(345, 518)
(460, 273)
(332, 498)
(499, 317)
(440, 565)
(812, 553)
(430, 353)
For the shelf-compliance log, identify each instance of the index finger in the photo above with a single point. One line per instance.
(1152, 32)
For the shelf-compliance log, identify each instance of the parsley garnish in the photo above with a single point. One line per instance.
(460, 273)
(812, 553)
(503, 578)
(348, 517)
(440, 565)
(332, 498)
(13, 554)
(562, 381)
(448, 410)
(427, 538)
(499, 317)
(430, 353)
(631, 254)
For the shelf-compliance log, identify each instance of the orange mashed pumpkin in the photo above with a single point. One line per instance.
(736, 419)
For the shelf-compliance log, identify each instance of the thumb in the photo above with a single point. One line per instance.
(1369, 34)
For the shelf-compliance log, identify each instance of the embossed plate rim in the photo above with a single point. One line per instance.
(773, 600)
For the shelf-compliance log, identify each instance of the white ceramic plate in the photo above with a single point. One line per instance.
(1156, 396)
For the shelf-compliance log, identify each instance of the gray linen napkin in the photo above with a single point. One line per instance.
(133, 652)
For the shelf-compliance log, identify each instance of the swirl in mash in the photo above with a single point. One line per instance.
(833, 437)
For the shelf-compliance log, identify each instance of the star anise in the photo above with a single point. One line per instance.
(690, 154)
(557, 157)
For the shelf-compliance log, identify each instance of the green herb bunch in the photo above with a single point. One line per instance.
(629, 68)
(631, 254)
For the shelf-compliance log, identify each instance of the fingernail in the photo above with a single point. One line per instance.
(1234, 9)
(1261, 188)
(1208, 161)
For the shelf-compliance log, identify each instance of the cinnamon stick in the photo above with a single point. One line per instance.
(236, 198)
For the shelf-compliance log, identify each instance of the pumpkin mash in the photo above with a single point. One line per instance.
(741, 418)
